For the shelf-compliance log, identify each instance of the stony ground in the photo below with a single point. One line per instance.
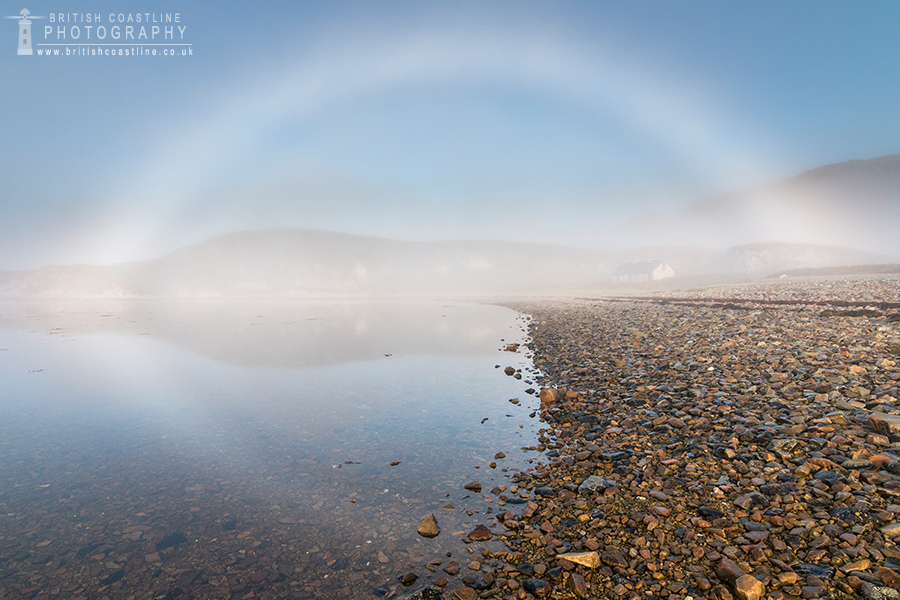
(710, 450)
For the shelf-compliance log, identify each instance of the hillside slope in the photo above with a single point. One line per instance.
(854, 204)
(305, 263)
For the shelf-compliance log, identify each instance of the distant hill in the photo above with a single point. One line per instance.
(843, 270)
(763, 259)
(831, 217)
(852, 204)
(306, 263)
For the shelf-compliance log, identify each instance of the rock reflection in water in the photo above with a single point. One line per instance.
(250, 459)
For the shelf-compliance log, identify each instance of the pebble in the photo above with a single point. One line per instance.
(577, 585)
(465, 593)
(428, 527)
(480, 534)
(590, 560)
(538, 587)
(548, 396)
(596, 483)
(729, 571)
(870, 591)
(748, 587)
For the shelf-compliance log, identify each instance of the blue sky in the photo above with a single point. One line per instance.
(542, 121)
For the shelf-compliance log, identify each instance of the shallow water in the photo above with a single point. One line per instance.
(245, 451)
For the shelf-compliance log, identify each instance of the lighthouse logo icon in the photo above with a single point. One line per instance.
(24, 19)
(25, 33)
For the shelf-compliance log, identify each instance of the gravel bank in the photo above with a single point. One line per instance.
(711, 451)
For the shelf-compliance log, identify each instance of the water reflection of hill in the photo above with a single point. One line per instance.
(282, 334)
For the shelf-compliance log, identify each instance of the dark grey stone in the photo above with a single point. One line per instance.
(870, 591)
(821, 571)
(595, 483)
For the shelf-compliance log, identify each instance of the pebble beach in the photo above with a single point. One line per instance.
(709, 444)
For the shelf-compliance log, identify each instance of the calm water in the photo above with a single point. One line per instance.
(244, 451)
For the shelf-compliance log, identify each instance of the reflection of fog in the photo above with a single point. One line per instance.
(283, 334)
(120, 408)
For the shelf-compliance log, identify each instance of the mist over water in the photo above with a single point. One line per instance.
(123, 424)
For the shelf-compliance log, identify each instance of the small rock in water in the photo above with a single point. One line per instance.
(173, 539)
(509, 371)
(473, 487)
(428, 527)
(480, 534)
(87, 550)
(408, 579)
(427, 593)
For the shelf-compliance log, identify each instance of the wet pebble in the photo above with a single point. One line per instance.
(428, 527)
